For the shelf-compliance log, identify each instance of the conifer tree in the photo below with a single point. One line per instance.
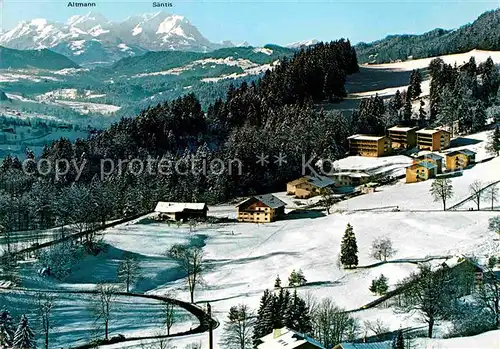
(24, 337)
(297, 316)
(398, 341)
(281, 302)
(296, 278)
(379, 286)
(415, 89)
(422, 114)
(349, 249)
(397, 101)
(6, 329)
(292, 279)
(265, 317)
(493, 146)
(301, 278)
(407, 111)
(277, 282)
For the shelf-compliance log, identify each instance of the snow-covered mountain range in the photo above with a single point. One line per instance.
(303, 43)
(91, 38)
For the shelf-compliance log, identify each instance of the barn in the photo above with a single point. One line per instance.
(181, 211)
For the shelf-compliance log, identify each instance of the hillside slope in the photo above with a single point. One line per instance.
(483, 33)
(162, 60)
(41, 59)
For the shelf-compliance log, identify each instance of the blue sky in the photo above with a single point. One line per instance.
(280, 22)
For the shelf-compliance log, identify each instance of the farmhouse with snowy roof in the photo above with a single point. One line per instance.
(308, 186)
(181, 211)
(287, 338)
(459, 159)
(368, 145)
(261, 209)
(403, 137)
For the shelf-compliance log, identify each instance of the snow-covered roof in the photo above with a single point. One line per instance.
(453, 261)
(352, 174)
(267, 199)
(365, 137)
(173, 207)
(287, 338)
(401, 128)
(430, 131)
(320, 181)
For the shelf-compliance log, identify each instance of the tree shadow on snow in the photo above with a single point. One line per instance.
(463, 141)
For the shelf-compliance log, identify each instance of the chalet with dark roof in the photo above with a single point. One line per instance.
(261, 209)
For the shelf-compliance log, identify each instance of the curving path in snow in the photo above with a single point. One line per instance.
(199, 313)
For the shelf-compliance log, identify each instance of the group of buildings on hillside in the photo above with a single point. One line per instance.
(430, 165)
(268, 208)
(423, 167)
(399, 137)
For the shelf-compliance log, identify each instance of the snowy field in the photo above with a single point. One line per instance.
(458, 59)
(387, 165)
(68, 93)
(244, 259)
(385, 79)
(87, 107)
(235, 251)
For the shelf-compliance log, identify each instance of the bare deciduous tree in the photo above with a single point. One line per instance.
(238, 328)
(169, 314)
(442, 190)
(103, 305)
(190, 260)
(428, 293)
(129, 271)
(311, 303)
(44, 304)
(332, 324)
(328, 198)
(476, 190)
(491, 195)
(377, 327)
(382, 249)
